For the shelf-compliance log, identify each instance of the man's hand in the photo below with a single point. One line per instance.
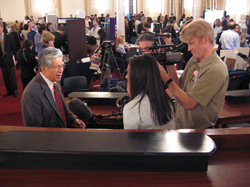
(164, 76)
(79, 124)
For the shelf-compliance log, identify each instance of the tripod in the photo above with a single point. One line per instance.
(107, 66)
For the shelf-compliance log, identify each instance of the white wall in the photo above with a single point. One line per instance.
(71, 7)
(40, 7)
(102, 6)
(11, 10)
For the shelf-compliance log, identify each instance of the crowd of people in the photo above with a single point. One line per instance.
(199, 92)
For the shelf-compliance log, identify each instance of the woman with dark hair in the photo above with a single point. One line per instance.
(91, 45)
(27, 62)
(103, 36)
(149, 107)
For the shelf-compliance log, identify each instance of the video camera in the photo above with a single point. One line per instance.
(108, 44)
(167, 54)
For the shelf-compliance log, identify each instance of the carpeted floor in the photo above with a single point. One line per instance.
(10, 107)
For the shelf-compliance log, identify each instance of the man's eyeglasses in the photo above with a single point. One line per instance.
(57, 67)
(145, 49)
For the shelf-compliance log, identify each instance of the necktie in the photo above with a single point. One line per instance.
(59, 104)
(2, 46)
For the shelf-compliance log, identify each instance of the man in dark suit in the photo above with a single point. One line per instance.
(225, 21)
(31, 36)
(7, 63)
(42, 102)
(59, 40)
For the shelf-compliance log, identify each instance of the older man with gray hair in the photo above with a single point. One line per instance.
(200, 91)
(42, 102)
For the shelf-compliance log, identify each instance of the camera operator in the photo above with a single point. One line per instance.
(201, 89)
(144, 41)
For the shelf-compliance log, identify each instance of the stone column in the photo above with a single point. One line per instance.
(120, 17)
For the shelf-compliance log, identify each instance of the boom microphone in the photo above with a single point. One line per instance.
(241, 55)
(82, 111)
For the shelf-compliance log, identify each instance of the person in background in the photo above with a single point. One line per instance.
(217, 29)
(27, 62)
(225, 20)
(31, 36)
(15, 36)
(47, 40)
(158, 18)
(29, 25)
(241, 34)
(31, 18)
(91, 46)
(49, 25)
(225, 28)
(147, 27)
(38, 36)
(25, 31)
(5, 28)
(87, 23)
(200, 91)
(42, 102)
(230, 39)
(94, 31)
(167, 39)
(60, 40)
(119, 46)
(162, 22)
(102, 35)
(149, 106)
(26, 19)
(182, 19)
(248, 24)
(7, 63)
(170, 29)
(16, 26)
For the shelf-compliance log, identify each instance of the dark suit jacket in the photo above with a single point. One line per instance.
(224, 22)
(16, 40)
(9, 51)
(60, 41)
(31, 36)
(39, 108)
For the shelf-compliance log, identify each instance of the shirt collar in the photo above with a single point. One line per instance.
(49, 83)
(207, 61)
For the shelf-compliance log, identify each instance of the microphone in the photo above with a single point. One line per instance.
(122, 101)
(241, 55)
(82, 111)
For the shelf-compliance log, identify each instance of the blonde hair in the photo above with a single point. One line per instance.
(119, 41)
(46, 36)
(198, 29)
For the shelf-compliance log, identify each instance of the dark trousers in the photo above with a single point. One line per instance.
(9, 77)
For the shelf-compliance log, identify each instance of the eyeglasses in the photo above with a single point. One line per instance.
(59, 66)
(145, 49)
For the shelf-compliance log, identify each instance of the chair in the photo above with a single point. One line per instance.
(75, 84)
(234, 83)
(133, 39)
(120, 63)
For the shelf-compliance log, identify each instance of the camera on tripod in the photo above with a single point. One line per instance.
(167, 54)
(108, 44)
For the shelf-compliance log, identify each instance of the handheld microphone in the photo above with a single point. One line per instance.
(122, 101)
(82, 111)
(241, 55)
